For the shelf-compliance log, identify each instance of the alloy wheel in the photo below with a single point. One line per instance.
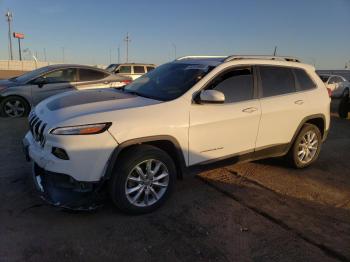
(307, 147)
(14, 108)
(147, 183)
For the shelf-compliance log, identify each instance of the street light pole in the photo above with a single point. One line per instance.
(19, 49)
(9, 20)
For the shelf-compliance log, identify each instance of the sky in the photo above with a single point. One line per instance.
(90, 32)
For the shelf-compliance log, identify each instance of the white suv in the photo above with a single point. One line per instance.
(130, 69)
(136, 141)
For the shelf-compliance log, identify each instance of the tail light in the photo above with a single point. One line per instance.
(329, 92)
(126, 82)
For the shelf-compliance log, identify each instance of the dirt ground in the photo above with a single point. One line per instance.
(260, 211)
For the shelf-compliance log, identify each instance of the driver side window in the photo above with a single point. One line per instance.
(61, 76)
(237, 85)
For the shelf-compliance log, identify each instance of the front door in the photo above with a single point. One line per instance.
(223, 130)
(52, 83)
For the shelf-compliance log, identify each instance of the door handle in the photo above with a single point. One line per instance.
(299, 102)
(249, 110)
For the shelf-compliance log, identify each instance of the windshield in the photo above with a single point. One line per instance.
(30, 75)
(112, 67)
(324, 78)
(168, 81)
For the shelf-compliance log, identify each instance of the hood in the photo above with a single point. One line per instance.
(8, 83)
(81, 103)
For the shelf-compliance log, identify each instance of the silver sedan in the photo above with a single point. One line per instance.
(19, 94)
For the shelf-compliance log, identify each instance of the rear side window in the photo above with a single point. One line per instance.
(91, 75)
(124, 70)
(276, 81)
(139, 69)
(236, 85)
(149, 68)
(304, 80)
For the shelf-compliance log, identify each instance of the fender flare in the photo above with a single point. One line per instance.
(179, 162)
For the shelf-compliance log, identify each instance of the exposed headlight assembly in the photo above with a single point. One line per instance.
(90, 129)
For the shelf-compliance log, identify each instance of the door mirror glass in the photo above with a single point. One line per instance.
(212, 96)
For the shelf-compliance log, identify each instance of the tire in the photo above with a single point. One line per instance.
(145, 194)
(344, 106)
(295, 156)
(14, 107)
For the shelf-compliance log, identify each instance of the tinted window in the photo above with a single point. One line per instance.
(91, 75)
(237, 85)
(112, 67)
(334, 80)
(139, 69)
(324, 78)
(304, 80)
(168, 81)
(124, 70)
(149, 68)
(276, 81)
(61, 76)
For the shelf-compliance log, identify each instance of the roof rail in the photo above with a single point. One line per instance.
(265, 57)
(198, 57)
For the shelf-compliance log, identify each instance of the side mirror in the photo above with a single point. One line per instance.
(40, 81)
(211, 97)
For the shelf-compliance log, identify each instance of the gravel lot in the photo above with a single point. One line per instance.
(260, 211)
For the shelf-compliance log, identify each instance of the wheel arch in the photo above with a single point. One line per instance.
(167, 143)
(318, 120)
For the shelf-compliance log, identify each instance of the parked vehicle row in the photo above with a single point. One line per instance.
(132, 70)
(136, 141)
(19, 94)
(339, 88)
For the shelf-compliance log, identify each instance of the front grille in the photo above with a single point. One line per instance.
(37, 128)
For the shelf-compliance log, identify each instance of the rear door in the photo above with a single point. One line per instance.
(139, 70)
(57, 81)
(283, 107)
(223, 130)
(91, 79)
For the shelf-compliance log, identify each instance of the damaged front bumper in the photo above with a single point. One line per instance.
(63, 191)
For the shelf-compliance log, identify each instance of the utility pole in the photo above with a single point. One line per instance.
(118, 55)
(175, 55)
(9, 20)
(275, 51)
(110, 55)
(62, 54)
(45, 59)
(127, 41)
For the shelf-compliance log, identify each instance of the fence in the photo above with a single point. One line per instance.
(16, 65)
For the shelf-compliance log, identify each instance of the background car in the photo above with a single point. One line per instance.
(19, 94)
(130, 69)
(338, 85)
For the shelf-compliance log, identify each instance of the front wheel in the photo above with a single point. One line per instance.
(143, 179)
(14, 106)
(306, 147)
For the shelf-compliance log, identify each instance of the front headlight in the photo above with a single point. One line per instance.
(90, 129)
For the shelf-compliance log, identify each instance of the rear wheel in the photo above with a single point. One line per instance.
(143, 179)
(306, 147)
(344, 105)
(14, 106)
